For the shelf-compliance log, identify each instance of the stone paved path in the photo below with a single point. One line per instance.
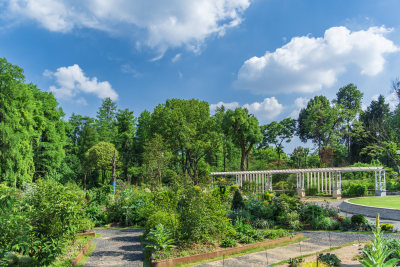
(117, 248)
(317, 241)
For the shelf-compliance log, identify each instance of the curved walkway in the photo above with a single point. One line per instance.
(317, 242)
(117, 248)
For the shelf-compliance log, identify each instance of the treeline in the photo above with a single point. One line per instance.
(180, 137)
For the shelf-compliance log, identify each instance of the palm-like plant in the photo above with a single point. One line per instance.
(159, 239)
(379, 251)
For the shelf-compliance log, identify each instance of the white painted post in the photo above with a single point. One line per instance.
(384, 180)
(330, 183)
(318, 184)
(308, 179)
(302, 186)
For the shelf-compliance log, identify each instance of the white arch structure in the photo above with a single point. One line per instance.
(328, 180)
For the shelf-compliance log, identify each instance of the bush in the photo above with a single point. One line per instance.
(201, 217)
(234, 188)
(310, 211)
(234, 215)
(168, 220)
(237, 201)
(228, 242)
(246, 233)
(387, 227)
(358, 220)
(57, 213)
(321, 223)
(329, 259)
(355, 190)
(311, 191)
(260, 210)
(268, 195)
(261, 223)
(96, 214)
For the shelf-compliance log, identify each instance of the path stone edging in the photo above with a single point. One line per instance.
(223, 252)
(384, 213)
(83, 251)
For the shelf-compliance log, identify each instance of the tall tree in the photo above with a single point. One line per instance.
(244, 130)
(126, 129)
(318, 122)
(348, 101)
(105, 121)
(49, 150)
(278, 132)
(143, 133)
(156, 158)
(17, 132)
(187, 127)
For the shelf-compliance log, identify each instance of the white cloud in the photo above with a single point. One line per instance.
(299, 103)
(126, 68)
(176, 58)
(267, 110)
(165, 23)
(307, 64)
(71, 81)
(231, 105)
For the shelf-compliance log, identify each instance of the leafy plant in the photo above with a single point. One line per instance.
(159, 239)
(294, 262)
(387, 227)
(329, 259)
(379, 252)
(228, 242)
(358, 219)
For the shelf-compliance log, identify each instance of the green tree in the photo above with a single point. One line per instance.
(348, 101)
(156, 158)
(49, 148)
(278, 132)
(100, 157)
(143, 133)
(105, 121)
(244, 131)
(187, 127)
(126, 129)
(319, 122)
(17, 132)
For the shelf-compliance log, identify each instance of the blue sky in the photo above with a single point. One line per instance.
(142, 52)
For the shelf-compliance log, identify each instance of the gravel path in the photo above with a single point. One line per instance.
(317, 242)
(117, 248)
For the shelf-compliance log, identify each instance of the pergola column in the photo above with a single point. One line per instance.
(300, 185)
(337, 190)
(380, 186)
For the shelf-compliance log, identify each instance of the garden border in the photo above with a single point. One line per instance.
(384, 213)
(223, 252)
(83, 251)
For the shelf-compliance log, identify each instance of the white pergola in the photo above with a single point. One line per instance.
(328, 180)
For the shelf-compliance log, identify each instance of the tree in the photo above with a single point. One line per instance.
(143, 133)
(244, 130)
(156, 158)
(187, 127)
(101, 156)
(318, 122)
(49, 148)
(17, 132)
(348, 101)
(278, 132)
(126, 129)
(105, 121)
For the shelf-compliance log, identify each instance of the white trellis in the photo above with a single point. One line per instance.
(327, 180)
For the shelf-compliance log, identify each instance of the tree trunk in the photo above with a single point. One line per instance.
(84, 182)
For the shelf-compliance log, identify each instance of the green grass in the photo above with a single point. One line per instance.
(392, 202)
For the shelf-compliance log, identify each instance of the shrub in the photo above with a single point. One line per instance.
(292, 220)
(261, 223)
(201, 217)
(246, 233)
(321, 223)
(260, 210)
(355, 190)
(57, 213)
(309, 212)
(311, 191)
(96, 214)
(268, 195)
(358, 220)
(234, 187)
(228, 242)
(237, 201)
(329, 259)
(387, 227)
(294, 262)
(168, 220)
(244, 214)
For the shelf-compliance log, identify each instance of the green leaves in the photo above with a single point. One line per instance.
(159, 239)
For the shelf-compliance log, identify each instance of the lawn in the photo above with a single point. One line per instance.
(392, 202)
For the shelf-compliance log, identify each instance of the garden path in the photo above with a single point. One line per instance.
(117, 247)
(317, 242)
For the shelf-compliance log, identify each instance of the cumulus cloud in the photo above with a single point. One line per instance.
(165, 23)
(266, 110)
(71, 82)
(307, 64)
